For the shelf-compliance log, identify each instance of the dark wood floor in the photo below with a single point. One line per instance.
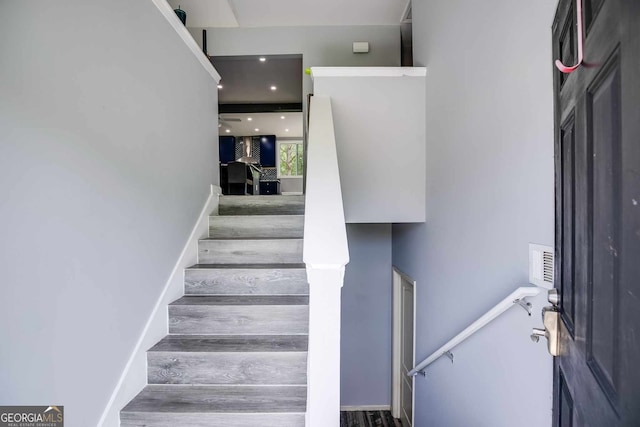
(368, 419)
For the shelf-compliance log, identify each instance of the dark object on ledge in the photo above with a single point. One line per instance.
(182, 15)
(204, 43)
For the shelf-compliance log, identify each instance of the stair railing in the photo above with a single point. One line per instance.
(516, 297)
(325, 253)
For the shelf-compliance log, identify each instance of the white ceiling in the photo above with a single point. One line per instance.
(267, 123)
(283, 13)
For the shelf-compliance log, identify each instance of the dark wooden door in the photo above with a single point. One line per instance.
(597, 155)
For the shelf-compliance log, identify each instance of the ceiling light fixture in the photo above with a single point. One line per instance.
(263, 59)
(274, 88)
(282, 117)
(286, 130)
(249, 118)
(257, 130)
(227, 131)
(219, 86)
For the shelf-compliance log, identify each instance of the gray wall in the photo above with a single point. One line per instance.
(380, 139)
(319, 46)
(107, 152)
(489, 124)
(366, 317)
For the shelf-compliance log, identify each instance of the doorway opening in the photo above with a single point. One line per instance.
(260, 121)
(402, 393)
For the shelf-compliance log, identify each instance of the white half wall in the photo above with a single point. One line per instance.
(378, 115)
(108, 149)
(489, 129)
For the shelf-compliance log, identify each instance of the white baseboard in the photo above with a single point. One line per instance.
(134, 376)
(291, 193)
(366, 408)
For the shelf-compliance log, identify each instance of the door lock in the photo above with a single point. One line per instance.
(551, 322)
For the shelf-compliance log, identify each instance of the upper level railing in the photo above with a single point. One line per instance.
(516, 297)
(325, 253)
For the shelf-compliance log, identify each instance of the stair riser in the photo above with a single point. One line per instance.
(239, 320)
(277, 368)
(262, 205)
(248, 281)
(224, 227)
(136, 419)
(285, 251)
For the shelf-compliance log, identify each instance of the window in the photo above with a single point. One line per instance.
(290, 159)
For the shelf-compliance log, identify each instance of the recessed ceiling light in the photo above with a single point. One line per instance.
(263, 59)
(227, 131)
(257, 130)
(249, 118)
(274, 88)
(286, 130)
(219, 86)
(282, 117)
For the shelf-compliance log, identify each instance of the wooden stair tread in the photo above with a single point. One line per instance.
(232, 343)
(261, 205)
(246, 266)
(222, 399)
(256, 226)
(251, 238)
(250, 251)
(242, 300)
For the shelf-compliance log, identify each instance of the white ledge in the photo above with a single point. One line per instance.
(171, 17)
(368, 72)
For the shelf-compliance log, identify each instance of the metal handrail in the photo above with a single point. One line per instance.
(515, 297)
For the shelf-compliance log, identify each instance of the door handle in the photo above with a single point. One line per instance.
(551, 322)
(551, 331)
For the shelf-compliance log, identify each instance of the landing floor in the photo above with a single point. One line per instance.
(368, 419)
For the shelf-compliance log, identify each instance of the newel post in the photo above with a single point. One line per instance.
(323, 388)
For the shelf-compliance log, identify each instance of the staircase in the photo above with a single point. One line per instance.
(236, 353)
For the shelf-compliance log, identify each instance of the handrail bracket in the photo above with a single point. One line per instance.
(449, 354)
(524, 304)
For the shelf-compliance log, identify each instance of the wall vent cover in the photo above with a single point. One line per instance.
(541, 265)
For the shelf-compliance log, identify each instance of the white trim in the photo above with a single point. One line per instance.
(171, 17)
(325, 232)
(366, 408)
(134, 375)
(368, 72)
(291, 193)
(403, 18)
(325, 253)
(396, 365)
